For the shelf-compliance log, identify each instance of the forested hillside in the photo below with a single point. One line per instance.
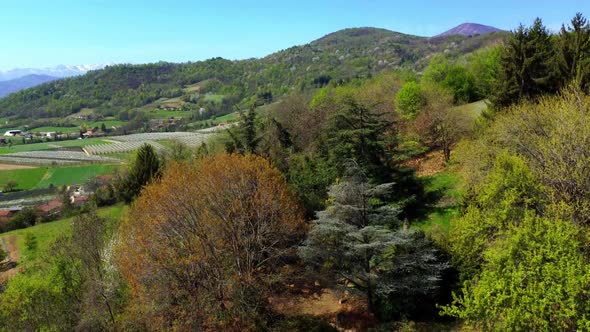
(340, 57)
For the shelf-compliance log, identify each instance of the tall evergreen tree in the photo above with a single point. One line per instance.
(352, 234)
(528, 65)
(144, 168)
(358, 134)
(574, 52)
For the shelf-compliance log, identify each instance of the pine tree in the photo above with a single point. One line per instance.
(145, 167)
(358, 134)
(574, 52)
(528, 65)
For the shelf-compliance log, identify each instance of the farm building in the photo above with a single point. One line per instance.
(50, 208)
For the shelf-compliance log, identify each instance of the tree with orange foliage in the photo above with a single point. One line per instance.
(199, 246)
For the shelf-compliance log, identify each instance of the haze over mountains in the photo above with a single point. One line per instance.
(57, 71)
(28, 81)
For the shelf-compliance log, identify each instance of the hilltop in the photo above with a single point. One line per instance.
(469, 29)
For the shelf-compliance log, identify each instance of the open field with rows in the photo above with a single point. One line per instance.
(52, 145)
(121, 147)
(47, 157)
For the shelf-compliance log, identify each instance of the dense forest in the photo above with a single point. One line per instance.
(317, 194)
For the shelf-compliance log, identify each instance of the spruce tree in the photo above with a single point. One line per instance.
(574, 52)
(357, 134)
(144, 168)
(528, 65)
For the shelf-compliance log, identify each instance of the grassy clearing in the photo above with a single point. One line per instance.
(164, 114)
(68, 130)
(213, 98)
(37, 178)
(473, 110)
(446, 186)
(46, 233)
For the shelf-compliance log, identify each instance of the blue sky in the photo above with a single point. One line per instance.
(47, 33)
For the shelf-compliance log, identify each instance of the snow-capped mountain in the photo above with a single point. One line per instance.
(57, 71)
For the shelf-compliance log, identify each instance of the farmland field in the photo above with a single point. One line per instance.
(36, 178)
(51, 145)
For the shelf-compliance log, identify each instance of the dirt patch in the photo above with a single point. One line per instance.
(10, 269)
(428, 164)
(9, 167)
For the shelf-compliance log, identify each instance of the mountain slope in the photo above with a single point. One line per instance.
(470, 29)
(58, 71)
(17, 84)
(343, 55)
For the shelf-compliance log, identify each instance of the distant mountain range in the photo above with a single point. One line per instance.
(28, 81)
(18, 79)
(58, 71)
(469, 29)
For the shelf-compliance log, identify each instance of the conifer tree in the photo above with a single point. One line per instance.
(528, 65)
(574, 52)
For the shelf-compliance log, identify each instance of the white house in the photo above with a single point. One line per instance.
(13, 132)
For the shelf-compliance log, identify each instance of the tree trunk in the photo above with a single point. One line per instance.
(447, 154)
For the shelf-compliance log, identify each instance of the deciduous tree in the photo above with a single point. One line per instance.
(199, 245)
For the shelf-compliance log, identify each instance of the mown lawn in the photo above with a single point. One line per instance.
(42, 177)
(46, 233)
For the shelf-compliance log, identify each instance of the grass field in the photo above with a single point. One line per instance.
(78, 123)
(37, 178)
(473, 110)
(164, 114)
(51, 145)
(68, 130)
(46, 233)
(446, 186)
(213, 98)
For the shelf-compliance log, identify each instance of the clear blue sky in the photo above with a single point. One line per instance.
(39, 33)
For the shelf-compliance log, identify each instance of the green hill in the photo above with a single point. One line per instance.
(118, 91)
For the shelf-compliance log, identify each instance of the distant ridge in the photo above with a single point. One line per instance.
(469, 29)
(17, 84)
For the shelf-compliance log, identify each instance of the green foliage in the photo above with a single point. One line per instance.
(535, 278)
(484, 66)
(310, 178)
(351, 236)
(452, 76)
(30, 241)
(145, 167)
(72, 286)
(3, 254)
(573, 47)
(27, 217)
(409, 99)
(356, 133)
(501, 201)
(528, 65)
(9, 186)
